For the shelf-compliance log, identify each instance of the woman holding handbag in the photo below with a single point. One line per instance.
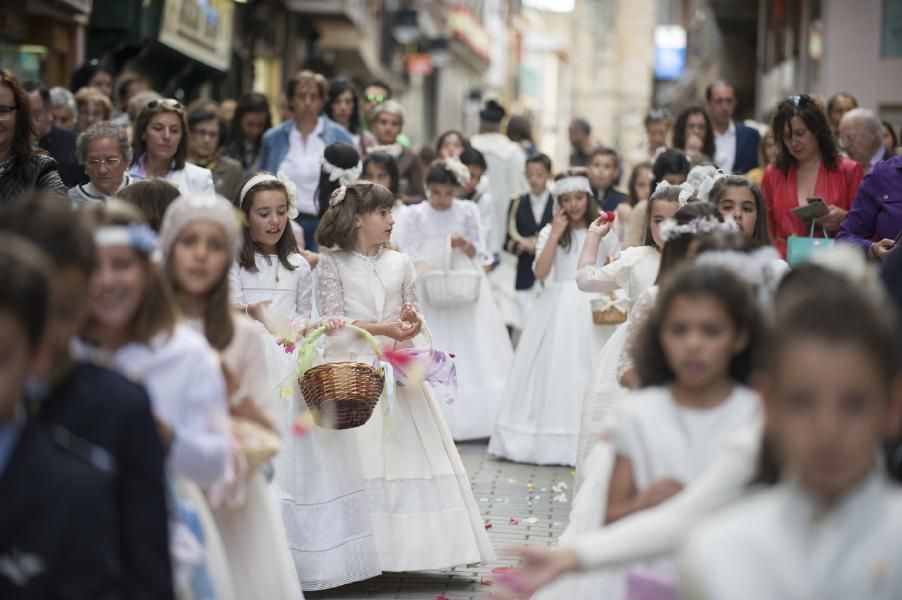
(199, 239)
(808, 165)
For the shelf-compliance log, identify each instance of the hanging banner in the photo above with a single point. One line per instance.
(199, 29)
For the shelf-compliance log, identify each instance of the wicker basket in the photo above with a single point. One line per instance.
(608, 310)
(450, 288)
(341, 395)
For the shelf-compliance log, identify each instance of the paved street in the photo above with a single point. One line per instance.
(522, 503)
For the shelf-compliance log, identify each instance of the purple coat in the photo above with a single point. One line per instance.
(876, 212)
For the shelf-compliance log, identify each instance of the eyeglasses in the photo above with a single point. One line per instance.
(205, 133)
(165, 103)
(112, 162)
(6, 112)
(377, 98)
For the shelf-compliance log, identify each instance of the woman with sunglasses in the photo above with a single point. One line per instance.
(808, 165)
(160, 148)
(23, 165)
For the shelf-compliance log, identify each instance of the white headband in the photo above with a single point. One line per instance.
(279, 177)
(140, 237)
(686, 191)
(344, 177)
(568, 185)
(458, 169)
(698, 226)
(761, 268)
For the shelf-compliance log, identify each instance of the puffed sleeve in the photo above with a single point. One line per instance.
(304, 291)
(329, 292)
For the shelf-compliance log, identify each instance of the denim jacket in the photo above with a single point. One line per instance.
(275, 141)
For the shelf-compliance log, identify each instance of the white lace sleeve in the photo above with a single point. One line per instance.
(329, 293)
(409, 285)
(236, 293)
(304, 293)
(637, 315)
(541, 242)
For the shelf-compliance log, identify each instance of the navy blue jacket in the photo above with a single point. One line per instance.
(610, 199)
(521, 224)
(747, 141)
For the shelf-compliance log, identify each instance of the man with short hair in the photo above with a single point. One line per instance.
(580, 133)
(204, 133)
(861, 135)
(387, 124)
(736, 145)
(838, 105)
(105, 152)
(59, 143)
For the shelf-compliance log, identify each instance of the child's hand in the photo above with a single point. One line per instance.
(458, 241)
(538, 567)
(332, 325)
(559, 222)
(257, 310)
(659, 491)
(602, 225)
(409, 314)
(527, 246)
(402, 331)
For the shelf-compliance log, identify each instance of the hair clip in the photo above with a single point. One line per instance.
(338, 196)
(342, 176)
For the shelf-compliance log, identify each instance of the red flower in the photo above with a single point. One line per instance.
(609, 216)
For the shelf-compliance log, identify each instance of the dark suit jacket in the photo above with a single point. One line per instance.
(521, 224)
(611, 199)
(107, 410)
(747, 140)
(60, 143)
(56, 529)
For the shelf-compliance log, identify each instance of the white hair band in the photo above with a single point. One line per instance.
(568, 185)
(140, 237)
(279, 177)
(344, 177)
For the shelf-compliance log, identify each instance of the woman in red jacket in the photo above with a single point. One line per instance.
(808, 165)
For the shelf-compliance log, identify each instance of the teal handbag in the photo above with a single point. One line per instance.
(799, 249)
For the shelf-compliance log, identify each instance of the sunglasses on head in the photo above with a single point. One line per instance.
(165, 103)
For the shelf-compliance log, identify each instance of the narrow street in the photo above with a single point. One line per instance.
(522, 504)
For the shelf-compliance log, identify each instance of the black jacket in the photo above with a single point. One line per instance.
(521, 224)
(56, 529)
(38, 172)
(60, 143)
(610, 199)
(109, 411)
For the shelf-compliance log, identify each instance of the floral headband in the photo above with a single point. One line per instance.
(762, 268)
(686, 191)
(342, 176)
(139, 236)
(338, 196)
(699, 226)
(568, 185)
(279, 177)
(458, 169)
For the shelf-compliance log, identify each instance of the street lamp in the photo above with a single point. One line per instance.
(406, 28)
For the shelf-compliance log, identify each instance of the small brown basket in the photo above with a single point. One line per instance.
(342, 395)
(608, 311)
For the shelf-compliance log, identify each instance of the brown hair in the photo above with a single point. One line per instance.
(286, 245)
(26, 274)
(91, 95)
(761, 234)
(812, 115)
(669, 194)
(152, 197)
(338, 226)
(158, 311)
(679, 130)
(154, 108)
(307, 77)
(24, 136)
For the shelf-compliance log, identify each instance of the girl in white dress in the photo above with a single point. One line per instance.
(539, 418)
(830, 528)
(446, 231)
(382, 168)
(633, 272)
(421, 506)
(133, 326)
(322, 497)
(199, 240)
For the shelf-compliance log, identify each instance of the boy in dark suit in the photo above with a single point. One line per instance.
(95, 404)
(526, 216)
(604, 171)
(56, 527)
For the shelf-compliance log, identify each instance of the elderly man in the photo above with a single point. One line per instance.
(861, 134)
(875, 219)
(735, 144)
(388, 121)
(59, 143)
(104, 151)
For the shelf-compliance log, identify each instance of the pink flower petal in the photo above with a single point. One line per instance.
(499, 570)
(485, 581)
(514, 521)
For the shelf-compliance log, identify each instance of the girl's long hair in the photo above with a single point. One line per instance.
(675, 251)
(760, 234)
(724, 286)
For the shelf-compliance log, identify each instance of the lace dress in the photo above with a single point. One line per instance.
(422, 508)
(474, 333)
(318, 480)
(540, 410)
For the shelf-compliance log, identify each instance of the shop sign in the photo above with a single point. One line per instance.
(419, 64)
(670, 51)
(199, 29)
(464, 25)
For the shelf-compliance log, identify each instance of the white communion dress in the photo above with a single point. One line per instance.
(474, 332)
(540, 410)
(633, 272)
(422, 509)
(323, 501)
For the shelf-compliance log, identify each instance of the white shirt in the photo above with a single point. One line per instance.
(189, 180)
(784, 543)
(302, 165)
(87, 192)
(537, 203)
(725, 148)
(878, 156)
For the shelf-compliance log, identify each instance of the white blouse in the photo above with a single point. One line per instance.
(784, 543)
(291, 290)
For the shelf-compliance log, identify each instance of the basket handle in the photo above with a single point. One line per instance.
(449, 250)
(308, 353)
